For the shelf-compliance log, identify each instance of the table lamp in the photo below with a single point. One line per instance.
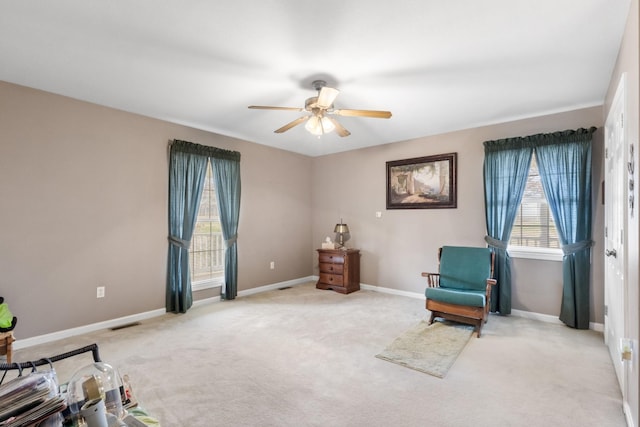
(342, 233)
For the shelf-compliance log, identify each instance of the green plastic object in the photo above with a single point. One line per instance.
(6, 317)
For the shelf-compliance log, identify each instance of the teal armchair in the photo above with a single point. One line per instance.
(461, 290)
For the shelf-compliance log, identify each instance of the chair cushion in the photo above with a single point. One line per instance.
(465, 268)
(457, 296)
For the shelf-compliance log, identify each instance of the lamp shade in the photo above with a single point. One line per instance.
(342, 233)
(327, 96)
(319, 125)
(341, 228)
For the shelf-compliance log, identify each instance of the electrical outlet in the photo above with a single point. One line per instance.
(100, 292)
(272, 265)
(378, 214)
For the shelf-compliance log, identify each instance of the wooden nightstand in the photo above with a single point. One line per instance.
(339, 270)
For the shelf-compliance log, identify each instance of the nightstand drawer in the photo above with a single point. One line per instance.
(331, 279)
(331, 258)
(331, 268)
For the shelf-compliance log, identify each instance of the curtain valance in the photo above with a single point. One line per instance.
(540, 139)
(204, 150)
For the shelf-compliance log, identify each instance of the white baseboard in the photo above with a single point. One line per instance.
(54, 336)
(627, 414)
(278, 285)
(547, 318)
(417, 295)
(599, 327)
(67, 333)
(257, 290)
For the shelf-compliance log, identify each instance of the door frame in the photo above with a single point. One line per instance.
(619, 106)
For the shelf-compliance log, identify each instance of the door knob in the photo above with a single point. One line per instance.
(611, 252)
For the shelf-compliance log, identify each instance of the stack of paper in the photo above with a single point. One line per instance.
(29, 399)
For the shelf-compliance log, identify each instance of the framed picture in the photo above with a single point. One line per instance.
(422, 183)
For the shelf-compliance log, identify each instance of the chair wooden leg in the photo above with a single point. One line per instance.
(6, 345)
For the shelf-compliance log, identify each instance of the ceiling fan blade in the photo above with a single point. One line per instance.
(340, 130)
(292, 124)
(363, 113)
(266, 107)
(326, 97)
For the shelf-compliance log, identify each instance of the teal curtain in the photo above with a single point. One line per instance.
(226, 171)
(564, 161)
(506, 166)
(187, 170)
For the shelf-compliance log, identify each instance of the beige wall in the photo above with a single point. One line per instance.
(84, 196)
(403, 243)
(629, 62)
(83, 193)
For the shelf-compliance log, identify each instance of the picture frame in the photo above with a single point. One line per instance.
(428, 182)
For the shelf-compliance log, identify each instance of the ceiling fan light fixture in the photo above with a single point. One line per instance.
(319, 125)
(317, 106)
(326, 97)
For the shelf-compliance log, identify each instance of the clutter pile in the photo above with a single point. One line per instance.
(96, 396)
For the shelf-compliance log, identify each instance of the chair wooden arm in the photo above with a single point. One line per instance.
(433, 279)
(490, 283)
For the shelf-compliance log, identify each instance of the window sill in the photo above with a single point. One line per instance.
(206, 284)
(544, 254)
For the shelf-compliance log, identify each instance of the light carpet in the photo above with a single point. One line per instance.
(431, 349)
(302, 357)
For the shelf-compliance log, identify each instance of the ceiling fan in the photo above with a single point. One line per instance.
(320, 107)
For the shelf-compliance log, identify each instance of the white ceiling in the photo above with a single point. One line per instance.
(437, 65)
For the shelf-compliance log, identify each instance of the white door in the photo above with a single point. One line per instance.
(615, 193)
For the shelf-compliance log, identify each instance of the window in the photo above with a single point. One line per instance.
(534, 233)
(206, 254)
